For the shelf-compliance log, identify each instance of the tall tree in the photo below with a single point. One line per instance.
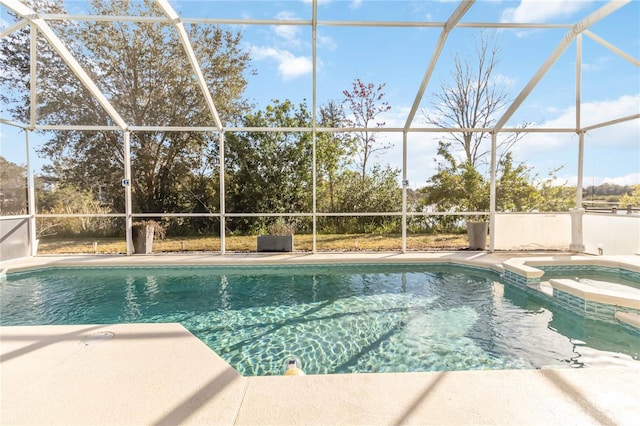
(13, 188)
(472, 101)
(457, 186)
(143, 71)
(333, 153)
(269, 172)
(365, 101)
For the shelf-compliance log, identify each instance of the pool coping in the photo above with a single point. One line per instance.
(162, 374)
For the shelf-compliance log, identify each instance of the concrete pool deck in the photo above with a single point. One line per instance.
(162, 374)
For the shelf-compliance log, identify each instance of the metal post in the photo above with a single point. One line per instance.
(33, 108)
(314, 189)
(222, 206)
(580, 169)
(578, 121)
(33, 111)
(314, 125)
(405, 183)
(492, 197)
(127, 192)
(31, 206)
(578, 79)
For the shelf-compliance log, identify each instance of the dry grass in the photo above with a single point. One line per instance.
(303, 243)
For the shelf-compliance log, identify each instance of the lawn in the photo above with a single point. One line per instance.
(244, 244)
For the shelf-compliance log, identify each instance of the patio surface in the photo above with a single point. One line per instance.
(162, 374)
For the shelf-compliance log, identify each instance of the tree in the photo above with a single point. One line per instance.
(269, 172)
(365, 103)
(632, 199)
(472, 102)
(333, 154)
(142, 69)
(607, 189)
(554, 197)
(457, 186)
(514, 190)
(13, 188)
(378, 192)
(53, 75)
(71, 200)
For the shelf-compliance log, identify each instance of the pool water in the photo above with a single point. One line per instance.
(610, 275)
(334, 318)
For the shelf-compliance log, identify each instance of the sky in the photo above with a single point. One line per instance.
(398, 58)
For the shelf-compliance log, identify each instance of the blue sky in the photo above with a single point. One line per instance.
(398, 57)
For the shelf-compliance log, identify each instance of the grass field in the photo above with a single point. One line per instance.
(244, 244)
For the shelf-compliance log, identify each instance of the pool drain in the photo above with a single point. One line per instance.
(97, 338)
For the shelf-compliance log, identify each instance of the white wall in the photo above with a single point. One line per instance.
(532, 231)
(619, 234)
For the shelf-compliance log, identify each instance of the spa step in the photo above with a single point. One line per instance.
(543, 287)
(628, 318)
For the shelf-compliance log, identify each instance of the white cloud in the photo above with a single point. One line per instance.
(327, 42)
(353, 5)
(600, 64)
(503, 80)
(628, 179)
(598, 112)
(546, 151)
(289, 65)
(542, 11)
(286, 15)
(421, 147)
(289, 33)
(294, 66)
(623, 134)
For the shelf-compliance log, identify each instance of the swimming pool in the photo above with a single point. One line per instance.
(335, 318)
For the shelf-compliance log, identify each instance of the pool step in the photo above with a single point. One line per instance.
(628, 318)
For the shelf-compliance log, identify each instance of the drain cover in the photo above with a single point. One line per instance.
(97, 338)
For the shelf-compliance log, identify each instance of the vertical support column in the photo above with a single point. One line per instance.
(578, 79)
(33, 111)
(314, 26)
(578, 119)
(314, 189)
(580, 169)
(33, 31)
(31, 206)
(577, 244)
(492, 196)
(222, 194)
(128, 209)
(405, 183)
